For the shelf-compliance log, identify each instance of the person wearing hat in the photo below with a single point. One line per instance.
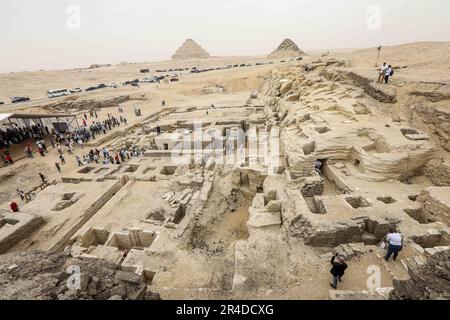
(338, 269)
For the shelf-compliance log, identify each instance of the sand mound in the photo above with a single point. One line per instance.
(423, 55)
(287, 49)
(190, 50)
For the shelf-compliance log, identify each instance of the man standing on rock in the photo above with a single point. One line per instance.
(337, 270)
(382, 71)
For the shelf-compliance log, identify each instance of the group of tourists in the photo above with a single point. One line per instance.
(15, 134)
(137, 112)
(24, 195)
(106, 157)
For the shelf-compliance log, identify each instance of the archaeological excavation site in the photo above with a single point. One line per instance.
(294, 175)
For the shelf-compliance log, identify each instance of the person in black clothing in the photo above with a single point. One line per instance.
(337, 270)
(42, 178)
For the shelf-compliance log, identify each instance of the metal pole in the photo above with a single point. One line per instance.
(378, 58)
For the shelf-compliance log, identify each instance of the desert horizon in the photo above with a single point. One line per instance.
(154, 61)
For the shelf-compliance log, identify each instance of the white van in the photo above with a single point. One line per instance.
(75, 90)
(57, 93)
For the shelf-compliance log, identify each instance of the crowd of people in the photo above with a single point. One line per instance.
(105, 156)
(15, 134)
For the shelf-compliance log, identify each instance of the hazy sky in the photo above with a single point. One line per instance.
(35, 34)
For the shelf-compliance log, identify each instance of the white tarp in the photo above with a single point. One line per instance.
(5, 116)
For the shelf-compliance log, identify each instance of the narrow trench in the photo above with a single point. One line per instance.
(218, 239)
(231, 227)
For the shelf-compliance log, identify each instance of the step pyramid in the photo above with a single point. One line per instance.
(190, 50)
(287, 49)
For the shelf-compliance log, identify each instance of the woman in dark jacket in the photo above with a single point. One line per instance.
(337, 270)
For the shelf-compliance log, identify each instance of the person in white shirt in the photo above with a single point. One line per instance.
(395, 244)
(382, 71)
(387, 73)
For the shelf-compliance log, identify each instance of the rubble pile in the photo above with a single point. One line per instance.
(430, 281)
(59, 276)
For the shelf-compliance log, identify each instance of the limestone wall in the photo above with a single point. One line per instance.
(21, 226)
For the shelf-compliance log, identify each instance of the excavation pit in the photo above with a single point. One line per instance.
(406, 131)
(94, 237)
(11, 222)
(100, 170)
(315, 205)
(68, 196)
(322, 130)
(418, 215)
(86, 170)
(387, 200)
(134, 239)
(132, 168)
(148, 276)
(179, 215)
(309, 148)
(358, 202)
(168, 170)
(157, 214)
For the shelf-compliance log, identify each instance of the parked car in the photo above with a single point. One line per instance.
(90, 89)
(101, 86)
(57, 93)
(75, 90)
(1, 102)
(173, 79)
(127, 83)
(19, 99)
(148, 80)
(112, 85)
